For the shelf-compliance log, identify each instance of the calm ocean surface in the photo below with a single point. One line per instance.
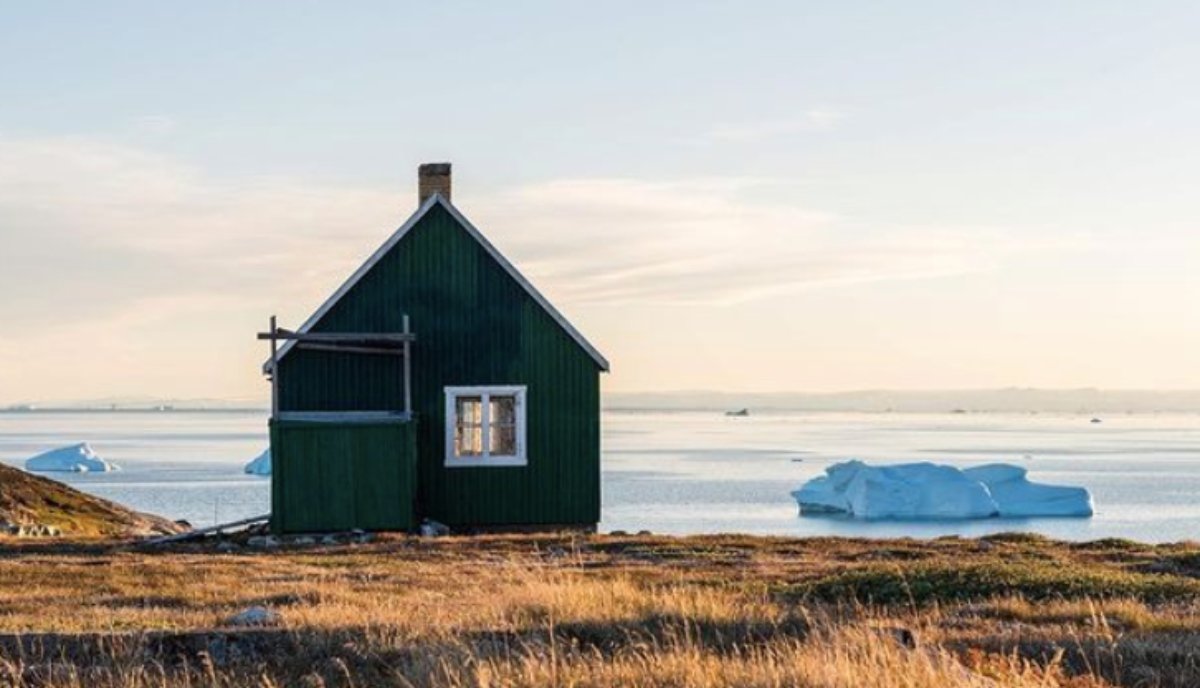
(697, 472)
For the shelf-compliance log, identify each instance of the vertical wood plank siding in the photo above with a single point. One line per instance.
(338, 476)
(475, 326)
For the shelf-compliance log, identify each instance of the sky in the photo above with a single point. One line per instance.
(747, 196)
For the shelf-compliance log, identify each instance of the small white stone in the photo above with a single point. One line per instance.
(255, 616)
(432, 528)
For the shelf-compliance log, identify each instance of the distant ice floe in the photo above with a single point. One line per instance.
(261, 465)
(77, 458)
(932, 491)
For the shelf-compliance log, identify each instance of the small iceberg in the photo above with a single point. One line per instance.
(261, 465)
(77, 458)
(932, 491)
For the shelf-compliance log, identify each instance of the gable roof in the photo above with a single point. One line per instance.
(437, 199)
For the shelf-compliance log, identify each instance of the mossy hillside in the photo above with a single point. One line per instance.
(30, 499)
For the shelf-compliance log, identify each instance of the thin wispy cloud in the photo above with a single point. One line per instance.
(702, 241)
(817, 119)
(155, 125)
(111, 223)
(96, 224)
(136, 254)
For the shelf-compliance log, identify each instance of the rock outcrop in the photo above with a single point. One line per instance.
(43, 507)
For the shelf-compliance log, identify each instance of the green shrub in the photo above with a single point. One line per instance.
(1113, 544)
(925, 583)
(1017, 538)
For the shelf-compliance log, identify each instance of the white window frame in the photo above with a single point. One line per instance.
(485, 459)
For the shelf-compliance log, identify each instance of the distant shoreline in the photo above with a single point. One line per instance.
(979, 401)
(48, 410)
(715, 410)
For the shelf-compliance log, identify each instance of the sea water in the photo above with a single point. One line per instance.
(182, 465)
(697, 471)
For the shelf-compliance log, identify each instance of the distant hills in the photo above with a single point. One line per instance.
(137, 403)
(1007, 400)
(1010, 400)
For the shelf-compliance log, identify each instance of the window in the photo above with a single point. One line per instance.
(485, 426)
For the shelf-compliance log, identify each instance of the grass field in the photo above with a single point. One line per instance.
(605, 610)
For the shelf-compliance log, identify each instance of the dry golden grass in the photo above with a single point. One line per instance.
(555, 610)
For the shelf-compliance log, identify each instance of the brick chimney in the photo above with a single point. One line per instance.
(433, 177)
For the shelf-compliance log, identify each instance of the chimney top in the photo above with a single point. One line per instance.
(433, 177)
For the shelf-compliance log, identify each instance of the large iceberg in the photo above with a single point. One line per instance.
(77, 458)
(932, 491)
(261, 465)
(1016, 496)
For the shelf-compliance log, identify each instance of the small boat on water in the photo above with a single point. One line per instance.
(738, 413)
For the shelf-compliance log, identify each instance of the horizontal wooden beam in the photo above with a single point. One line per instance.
(349, 349)
(346, 337)
(193, 534)
(345, 416)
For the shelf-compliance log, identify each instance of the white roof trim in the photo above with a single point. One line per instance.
(399, 234)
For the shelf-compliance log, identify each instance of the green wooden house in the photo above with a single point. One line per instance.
(436, 383)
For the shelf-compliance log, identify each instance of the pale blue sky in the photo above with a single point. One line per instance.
(758, 196)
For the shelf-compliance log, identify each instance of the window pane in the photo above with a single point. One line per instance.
(503, 440)
(468, 440)
(469, 410)
(503, 410)
(468, 428)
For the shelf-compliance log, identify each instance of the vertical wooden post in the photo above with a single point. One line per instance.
(407, 369)
(274, 372)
